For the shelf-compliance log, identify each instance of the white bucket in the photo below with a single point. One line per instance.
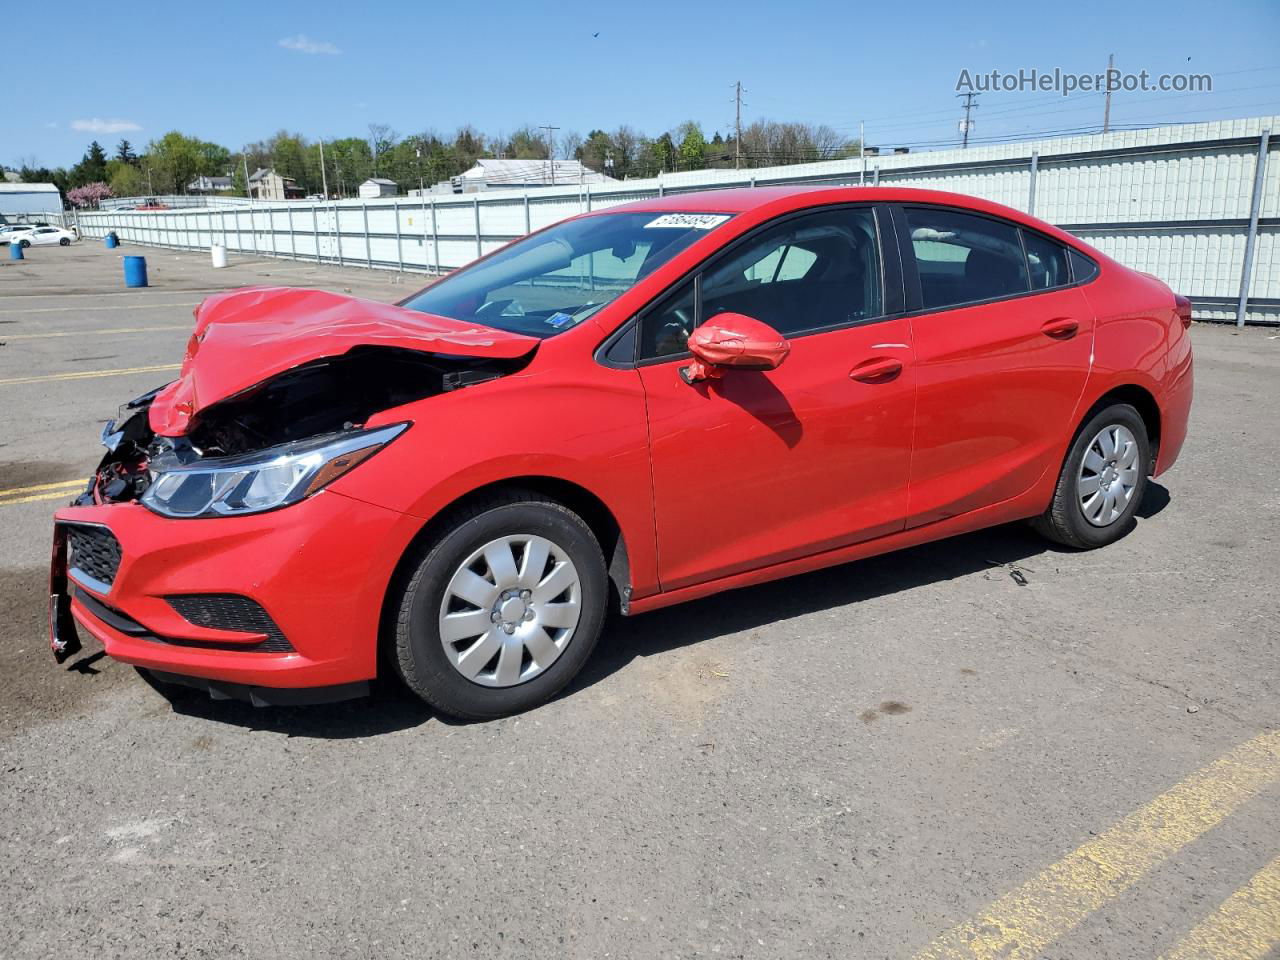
(218, 253)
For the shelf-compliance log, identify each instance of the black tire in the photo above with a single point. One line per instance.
(419, 654)
(64, 241)
(1065, 522)
(24, 244)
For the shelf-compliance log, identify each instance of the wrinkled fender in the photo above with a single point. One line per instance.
(591, 434)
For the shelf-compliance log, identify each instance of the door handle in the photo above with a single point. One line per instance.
(1060, 328)
(876, 370)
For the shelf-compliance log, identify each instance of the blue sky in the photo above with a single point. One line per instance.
(237, 71)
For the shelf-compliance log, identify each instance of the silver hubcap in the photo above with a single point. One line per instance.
(510, 610)
(1108, 475)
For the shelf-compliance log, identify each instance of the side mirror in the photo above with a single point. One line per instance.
(733, 340)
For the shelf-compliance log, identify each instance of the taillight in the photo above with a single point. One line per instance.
(1182, 307)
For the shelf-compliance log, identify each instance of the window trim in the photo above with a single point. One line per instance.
(892, 290)
(911, 273)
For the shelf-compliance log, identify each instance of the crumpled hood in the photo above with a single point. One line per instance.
(247, 336)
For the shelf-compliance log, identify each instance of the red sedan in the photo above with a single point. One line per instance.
(634, 407)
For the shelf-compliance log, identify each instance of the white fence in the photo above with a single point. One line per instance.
(1196, 204)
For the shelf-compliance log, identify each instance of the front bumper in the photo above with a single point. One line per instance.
(319, 569)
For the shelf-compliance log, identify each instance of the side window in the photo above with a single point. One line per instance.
(962, 258)
(1047, 261)
(665, 329)
(806, 273)
(1082, 268)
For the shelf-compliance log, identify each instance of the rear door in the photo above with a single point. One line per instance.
(1003, 343)
(759, 467)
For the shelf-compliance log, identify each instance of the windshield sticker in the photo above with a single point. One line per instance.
(688, 221)
(558, 319)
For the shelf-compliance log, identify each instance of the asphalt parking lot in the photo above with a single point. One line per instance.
(910, 756)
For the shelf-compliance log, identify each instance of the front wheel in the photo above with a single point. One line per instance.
(1102, 481)
(24, 244)
(64, 241)
(501, 610)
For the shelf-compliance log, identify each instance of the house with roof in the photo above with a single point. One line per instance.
(266, 184)
(206, 185)
(378, 187)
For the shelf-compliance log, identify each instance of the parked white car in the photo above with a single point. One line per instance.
(13, 231)
(42, 236)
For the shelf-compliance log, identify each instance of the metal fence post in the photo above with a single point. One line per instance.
(399, 249)
(1250, 242)
(435, 237)
(528, 223)
(875, 176)
(1031, 190)
(337, 233)
(315, 229)
(271, 229)
(293, 237)
(368, 244)
(479, 249)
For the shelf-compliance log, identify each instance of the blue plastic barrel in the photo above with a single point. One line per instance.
(15, 250)
(135, 271)
(112, 241)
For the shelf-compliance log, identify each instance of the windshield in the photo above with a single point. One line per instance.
(549, 282)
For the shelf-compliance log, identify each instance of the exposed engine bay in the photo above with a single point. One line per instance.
(325, 396)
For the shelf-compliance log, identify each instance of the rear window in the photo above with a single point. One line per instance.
(1047, 261)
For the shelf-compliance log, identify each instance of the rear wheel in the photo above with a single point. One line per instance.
(1102, 481)
(503, 609)
(24, 244)
(64, 241)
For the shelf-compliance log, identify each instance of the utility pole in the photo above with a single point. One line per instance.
(244, 159)
(1106, 110)
(737, 124)
(966, 124)
(324, 177)
(551, 148)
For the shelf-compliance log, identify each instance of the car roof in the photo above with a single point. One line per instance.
(778, 200)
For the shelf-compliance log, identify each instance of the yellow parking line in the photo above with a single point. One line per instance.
(1023, 922)
(15, 491)
(1245, 927)
(122, 306)
(88, 374)
(59, 495)
(94, 333)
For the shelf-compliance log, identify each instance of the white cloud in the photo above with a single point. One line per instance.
(304, 44)
(98, 125)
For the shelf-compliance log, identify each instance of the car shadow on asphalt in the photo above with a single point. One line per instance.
(391, 707)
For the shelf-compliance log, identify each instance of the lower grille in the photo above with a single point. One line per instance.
(230, 611)
(94, 552)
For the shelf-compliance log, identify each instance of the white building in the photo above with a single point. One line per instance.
(378, 187)
(30, 198)
(493, 174)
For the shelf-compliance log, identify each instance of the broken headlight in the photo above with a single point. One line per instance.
(265, 480)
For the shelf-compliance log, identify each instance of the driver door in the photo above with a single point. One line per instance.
(759, 467)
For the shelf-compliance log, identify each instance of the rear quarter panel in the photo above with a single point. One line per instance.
(1141, 341)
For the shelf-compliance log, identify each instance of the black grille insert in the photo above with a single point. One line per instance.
(94, 551)
(230, 611)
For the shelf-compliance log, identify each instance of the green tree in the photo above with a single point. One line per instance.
(92, 167)
(692, 153)
(125, 154)
(176, 159)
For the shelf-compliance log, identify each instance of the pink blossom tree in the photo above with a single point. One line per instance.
(91, 194)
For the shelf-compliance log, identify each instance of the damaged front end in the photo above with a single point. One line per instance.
(278, 441)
